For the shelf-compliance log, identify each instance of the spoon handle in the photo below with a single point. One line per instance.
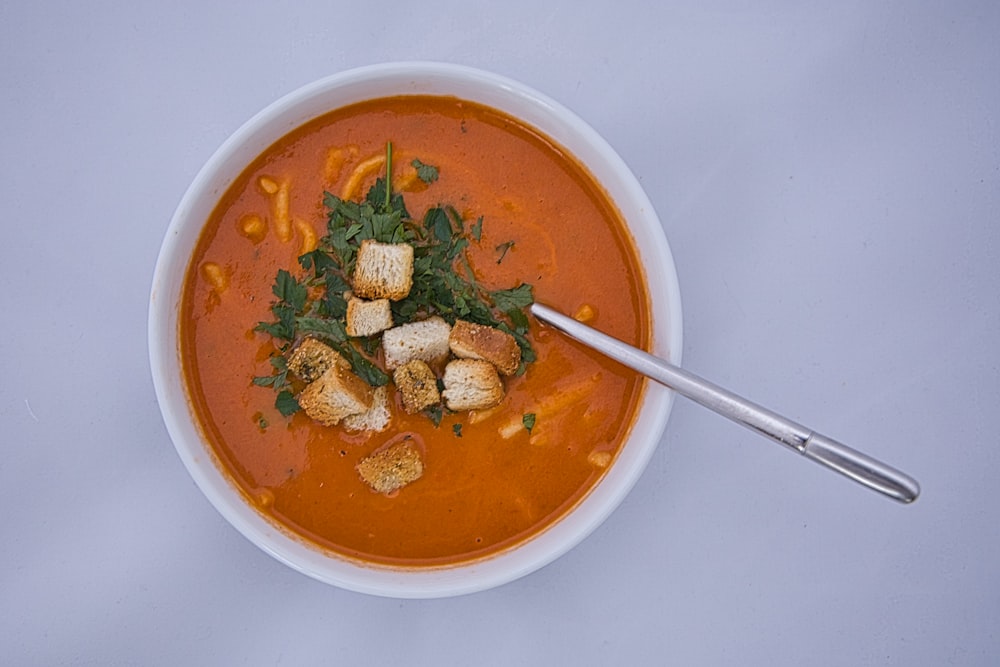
(819, 448)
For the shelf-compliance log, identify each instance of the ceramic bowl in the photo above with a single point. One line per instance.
(532, 108)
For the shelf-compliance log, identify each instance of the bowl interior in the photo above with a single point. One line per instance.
(313, 100)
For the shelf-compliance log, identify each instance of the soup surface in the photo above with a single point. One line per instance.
(489, 481)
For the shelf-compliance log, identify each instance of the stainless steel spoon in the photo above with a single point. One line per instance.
(821, 449)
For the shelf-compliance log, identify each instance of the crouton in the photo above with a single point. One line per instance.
(336, 394)
(376, 418)
(387, 470)
(417, 386)
(477, 341)
(312, 358)
(471, 384)
(426, 340)
(383, 270)
(367, 318)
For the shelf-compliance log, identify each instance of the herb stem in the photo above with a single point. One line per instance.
(388, 175)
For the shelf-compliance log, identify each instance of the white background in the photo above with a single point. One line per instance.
(828, 175)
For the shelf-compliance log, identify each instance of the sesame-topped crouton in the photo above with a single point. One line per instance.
(471, 384)
(478, 341)
(417, 386)
(392, 468)
(336, 394)
(367, 318)
(312, 358)
(375, 418)
(383, 270)
(426, 340)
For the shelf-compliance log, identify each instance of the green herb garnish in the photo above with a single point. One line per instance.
(502, 249)
(425, 172)
(286, 403)
(528, 419)
(435, 413)
(443, 282)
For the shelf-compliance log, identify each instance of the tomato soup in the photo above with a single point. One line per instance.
(489, 481)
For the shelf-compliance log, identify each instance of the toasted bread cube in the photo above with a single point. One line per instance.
(383, 270)
(387, 470)
(367, 318)
(478, 341)
(471, 384)
(312, 358)
(417, 386)
(336, 394)
(376, 418)
(426, 340)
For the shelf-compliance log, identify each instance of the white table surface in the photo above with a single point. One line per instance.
(828, 175)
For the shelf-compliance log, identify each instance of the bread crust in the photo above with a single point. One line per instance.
(390, 469)
(383, 270)
(426, 340)
(367, 318)
(376, 418)
(478, 341)
(336, 394)
(471, 384)
(311, 358)
(417, 386)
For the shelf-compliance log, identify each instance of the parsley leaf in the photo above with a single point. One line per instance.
(435, 413)
(425, 172)
(319, 262)
(528, 419)
(331, 329)
(437, 221)
(287, 289)
(276, 330)
(364, 367)
(513, 300)
(286, 403)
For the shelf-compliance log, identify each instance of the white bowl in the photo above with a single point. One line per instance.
(313, 100)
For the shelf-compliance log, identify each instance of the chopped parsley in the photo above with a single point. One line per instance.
(528, 419)
(444, 283)
(477, 230)
(286, 403)
(502, 249)
(435, 413)
(425, 172)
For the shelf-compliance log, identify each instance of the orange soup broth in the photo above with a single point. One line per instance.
(480, 492)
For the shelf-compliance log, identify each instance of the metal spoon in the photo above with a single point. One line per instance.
(821, 449)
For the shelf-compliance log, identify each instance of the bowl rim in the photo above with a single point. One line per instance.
(563, 127)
